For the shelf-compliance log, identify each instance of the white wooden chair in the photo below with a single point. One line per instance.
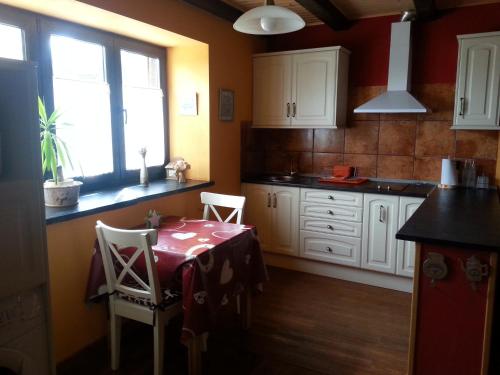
(131, 296)
(211, 200)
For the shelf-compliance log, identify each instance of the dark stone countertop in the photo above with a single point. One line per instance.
(460, 217)
(411, 189)
(111, 199)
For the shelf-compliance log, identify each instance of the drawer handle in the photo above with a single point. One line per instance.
(331, 197)
(329, 249)
(381, 214)
(330, 212)
(329, 227)
(268, 200)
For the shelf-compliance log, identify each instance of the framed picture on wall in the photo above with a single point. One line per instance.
(226, 105)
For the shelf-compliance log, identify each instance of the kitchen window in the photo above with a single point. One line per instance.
(110, 92)
(12, 46)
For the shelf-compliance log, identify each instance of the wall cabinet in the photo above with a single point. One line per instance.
(380, 224)
(477, 97)
(275, 212)
(301, 89)
(405, 264)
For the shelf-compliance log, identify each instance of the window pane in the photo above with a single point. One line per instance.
(11, 42)
(143, 105)
(81, 95)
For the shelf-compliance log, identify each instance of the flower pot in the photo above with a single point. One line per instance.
(63, 194)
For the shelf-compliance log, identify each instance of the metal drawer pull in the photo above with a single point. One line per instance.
(268, 200)
(294, 109)
(329, 249)
(331, 197)
(381, 214)
(287, 109)
(329, 227)
(330, 212)
(275, 201)
(462, 107)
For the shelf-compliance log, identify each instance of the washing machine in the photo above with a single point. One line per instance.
(23, 334)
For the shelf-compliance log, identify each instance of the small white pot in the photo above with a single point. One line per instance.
(63, 194)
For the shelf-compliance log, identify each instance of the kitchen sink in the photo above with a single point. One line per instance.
(282, 178)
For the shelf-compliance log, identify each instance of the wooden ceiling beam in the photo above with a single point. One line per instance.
(426, 9)
(217, 8)
(326, 12)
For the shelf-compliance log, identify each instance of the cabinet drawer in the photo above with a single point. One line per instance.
(330, 248)
(341, 228)
(331, 212)
(343, 198)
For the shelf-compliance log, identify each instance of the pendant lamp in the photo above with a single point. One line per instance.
(268, 19)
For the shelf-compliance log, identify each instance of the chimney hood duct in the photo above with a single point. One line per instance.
(397, 99)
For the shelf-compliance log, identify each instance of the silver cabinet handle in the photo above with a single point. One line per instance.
(331, 197)
(275, 201)
(381, 214)
(294, 109)
(329, 227)
(329, 249)
(287, 109)
(462, 107)
(330, 212)
(268, 200)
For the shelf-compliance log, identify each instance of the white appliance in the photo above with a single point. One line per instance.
(397, 98)
(24, 316)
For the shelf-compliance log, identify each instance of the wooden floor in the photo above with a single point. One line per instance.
(302, 324)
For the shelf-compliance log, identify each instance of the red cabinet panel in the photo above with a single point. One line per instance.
(451, 316)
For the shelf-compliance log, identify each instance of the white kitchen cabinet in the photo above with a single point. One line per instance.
(380, 224)
(330, 248)
(301, 89)
(257, 210)
(405, 258)
(477, 97)
(272, 87)
(274, 210)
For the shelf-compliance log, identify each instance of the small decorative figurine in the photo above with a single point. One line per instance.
(143, 177)
(180, 167)
(153, 219)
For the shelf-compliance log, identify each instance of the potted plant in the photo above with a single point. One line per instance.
(58, 192)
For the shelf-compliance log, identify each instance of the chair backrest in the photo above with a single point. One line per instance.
(120, 276)
(211, 200)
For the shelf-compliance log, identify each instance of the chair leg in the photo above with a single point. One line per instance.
(116, 330)
(194, 355)
(159, 344)
(204, 342)
(238, 305)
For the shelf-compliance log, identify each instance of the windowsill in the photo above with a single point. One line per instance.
(111, 199)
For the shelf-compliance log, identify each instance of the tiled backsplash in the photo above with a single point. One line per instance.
(398, 146)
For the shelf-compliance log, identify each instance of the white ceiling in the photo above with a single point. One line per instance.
(355, 9)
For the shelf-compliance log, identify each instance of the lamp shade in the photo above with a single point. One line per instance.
(268, 20)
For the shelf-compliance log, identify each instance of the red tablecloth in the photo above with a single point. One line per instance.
(210, 262)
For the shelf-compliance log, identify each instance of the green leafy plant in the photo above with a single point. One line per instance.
(54, 150)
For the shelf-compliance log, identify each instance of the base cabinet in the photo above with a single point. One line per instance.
(405, 259)
(340, 227)
(274, 210)
(380, 224)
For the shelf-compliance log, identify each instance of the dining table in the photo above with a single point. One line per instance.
(204, 263)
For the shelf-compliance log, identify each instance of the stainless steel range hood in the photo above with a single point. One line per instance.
(397, 98)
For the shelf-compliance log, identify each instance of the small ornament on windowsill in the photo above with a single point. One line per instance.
(177, 168)
(143, 176)
(153, 219)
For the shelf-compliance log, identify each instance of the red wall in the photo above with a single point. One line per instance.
(435, 43)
